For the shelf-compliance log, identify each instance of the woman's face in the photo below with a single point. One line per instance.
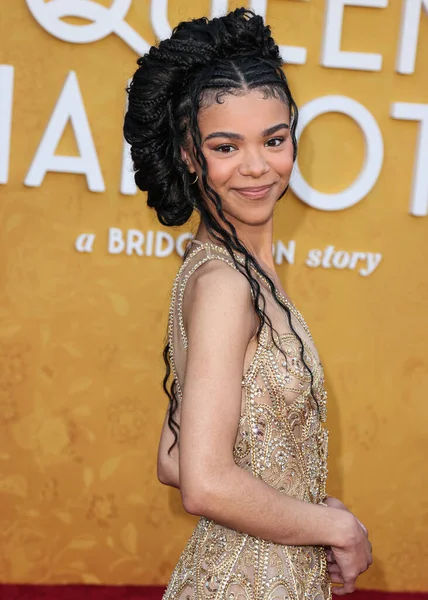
(249, 152)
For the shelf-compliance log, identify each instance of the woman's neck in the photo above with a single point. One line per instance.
(257, 239)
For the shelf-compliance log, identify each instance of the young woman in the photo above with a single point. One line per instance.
(212, 127)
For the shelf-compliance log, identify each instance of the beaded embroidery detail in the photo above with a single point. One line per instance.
(281, 440)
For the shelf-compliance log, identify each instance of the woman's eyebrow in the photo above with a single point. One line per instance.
(224, 134)
(237, 136)
(274, 129)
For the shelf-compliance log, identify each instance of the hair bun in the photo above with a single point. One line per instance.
(245, 34)
(239, 34)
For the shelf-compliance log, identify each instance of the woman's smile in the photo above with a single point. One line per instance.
(254, 192)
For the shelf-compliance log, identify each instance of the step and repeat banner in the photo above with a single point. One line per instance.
(86, 273)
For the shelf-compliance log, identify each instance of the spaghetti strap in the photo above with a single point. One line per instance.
(194, 260)
(206, 245)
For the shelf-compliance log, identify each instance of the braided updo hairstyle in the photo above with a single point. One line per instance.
(202, 61)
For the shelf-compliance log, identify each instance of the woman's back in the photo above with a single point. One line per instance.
(279, 439)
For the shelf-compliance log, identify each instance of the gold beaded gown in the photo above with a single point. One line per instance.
(280, 439)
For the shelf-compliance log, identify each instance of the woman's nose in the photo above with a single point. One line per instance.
(254, 164)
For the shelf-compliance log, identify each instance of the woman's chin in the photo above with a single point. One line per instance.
(254, 218)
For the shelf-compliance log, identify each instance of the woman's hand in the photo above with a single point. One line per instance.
(347, 562)
(336, 503)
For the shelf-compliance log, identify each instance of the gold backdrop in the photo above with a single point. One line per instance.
(81, 333)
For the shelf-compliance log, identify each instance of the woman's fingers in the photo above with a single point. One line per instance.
(346, 588)
(330, 556)
(334, 568)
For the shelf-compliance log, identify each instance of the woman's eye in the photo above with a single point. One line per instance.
(279, 141)
(228, 148)
(224, 149)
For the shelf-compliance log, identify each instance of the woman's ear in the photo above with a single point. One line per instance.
(186, 158)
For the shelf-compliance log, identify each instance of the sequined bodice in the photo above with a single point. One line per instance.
(280, 439)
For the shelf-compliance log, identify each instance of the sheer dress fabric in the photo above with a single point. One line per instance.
(280, 439)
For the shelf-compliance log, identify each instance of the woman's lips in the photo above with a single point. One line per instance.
(254, 192)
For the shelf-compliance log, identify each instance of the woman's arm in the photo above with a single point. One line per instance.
(219, 321)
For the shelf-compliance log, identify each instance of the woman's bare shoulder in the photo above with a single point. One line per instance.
(218, 292)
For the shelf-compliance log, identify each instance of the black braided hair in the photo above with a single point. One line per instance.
(202, 61)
